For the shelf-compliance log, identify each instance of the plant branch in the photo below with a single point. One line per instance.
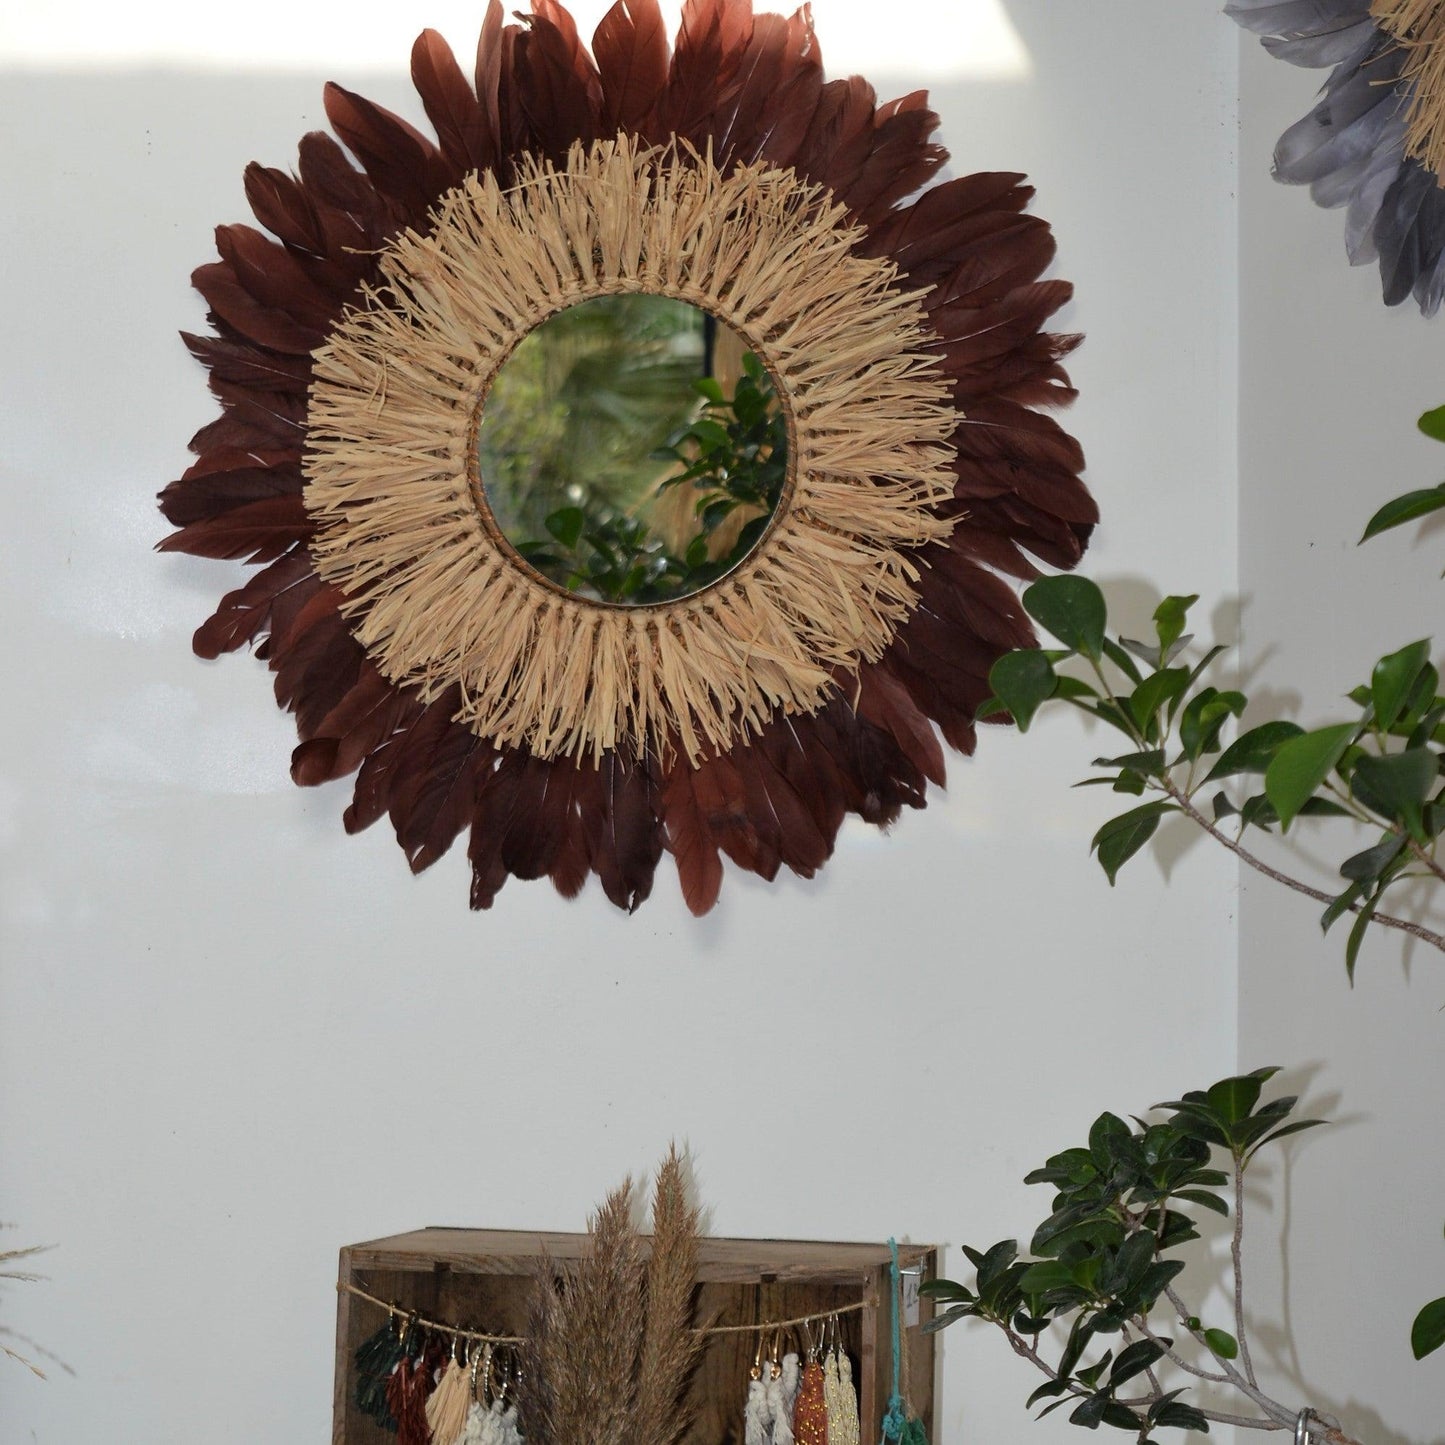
(1236, 1259)
(1281, 1414)
(1427, 858)
(1415, 930)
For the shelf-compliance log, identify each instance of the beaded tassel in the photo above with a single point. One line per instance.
(844, 1426)
(810, 1414)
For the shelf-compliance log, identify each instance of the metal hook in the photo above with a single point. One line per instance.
(1302, 1426)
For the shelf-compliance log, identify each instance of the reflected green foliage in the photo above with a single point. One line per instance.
(1105, 1264)
(730, 458)
(576, 410)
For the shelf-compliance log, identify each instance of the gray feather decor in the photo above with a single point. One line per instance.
(1371, 143)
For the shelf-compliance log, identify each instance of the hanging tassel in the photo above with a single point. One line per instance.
(756, 1419)
(475, 1432)
(510, 1430)
(782, 1396)
(406, 1394)
(810, 1414)
(844, 1426)
(376, 1357)
(446, 1410)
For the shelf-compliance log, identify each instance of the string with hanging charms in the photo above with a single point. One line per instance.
(410, 1382)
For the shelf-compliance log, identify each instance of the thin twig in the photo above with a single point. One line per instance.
(1386, 920)
(1236, 1260)
(1277, 1412)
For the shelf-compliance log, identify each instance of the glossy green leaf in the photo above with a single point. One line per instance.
(1365, 867)
(1252, 751)
(1297, 1127)
(1182, 1417)
(1154, 692)
(1122, 837)
(1301, 766)
(1340, 905)
(1148, 762)
(1090, 1414)
(1222, 1343)
(1071, 609)
(1203, 719)
(1397, 787)
(1428, 1332)
(1399, 510)
(1394, 678)
(1232, 1099)
(1357, 934)
(1121, 659)
(1134, 1360)
(1023, 680)
(1049, 1390)
(1169, 618)
(1432, 423)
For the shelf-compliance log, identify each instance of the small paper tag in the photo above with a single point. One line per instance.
(912, 1278)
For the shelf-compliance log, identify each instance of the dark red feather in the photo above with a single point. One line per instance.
(254, 320)
(631, 50)
(254, 367)
(624, 834)
(400, 161)
(257, 532)
(362, 721)
(885, 702)
(561, 91)
(690, 841)
(451, 105)
(246, 611)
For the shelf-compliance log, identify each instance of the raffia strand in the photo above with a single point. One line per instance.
(1419, 26)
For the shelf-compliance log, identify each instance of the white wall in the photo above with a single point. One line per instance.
(234, 1039)
(1331, 384)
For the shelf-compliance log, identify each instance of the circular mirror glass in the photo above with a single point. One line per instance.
(632, 449)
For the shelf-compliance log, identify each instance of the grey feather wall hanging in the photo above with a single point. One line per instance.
(1374, 143)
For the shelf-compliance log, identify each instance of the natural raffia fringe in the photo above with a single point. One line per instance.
(403, 529)
(1419, 25)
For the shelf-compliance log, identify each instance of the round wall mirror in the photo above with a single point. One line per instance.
(632, 449)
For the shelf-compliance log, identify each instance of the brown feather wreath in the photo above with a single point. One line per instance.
(767, 775)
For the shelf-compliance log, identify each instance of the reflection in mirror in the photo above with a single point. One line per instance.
(632, 449)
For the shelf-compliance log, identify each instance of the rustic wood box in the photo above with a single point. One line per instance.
(483, 1277)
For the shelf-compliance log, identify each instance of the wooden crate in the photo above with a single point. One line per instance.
(482, 1278)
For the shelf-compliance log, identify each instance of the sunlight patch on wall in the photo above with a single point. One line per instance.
(927, 39)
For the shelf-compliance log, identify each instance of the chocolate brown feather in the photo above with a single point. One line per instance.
(246, 611)
(450, 104)
(624, 834)
(689, 840)
(631, 50)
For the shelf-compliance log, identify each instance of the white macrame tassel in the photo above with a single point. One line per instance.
(475, 1433)
(756, 1418)
(508, 1430)
(782, 1396)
